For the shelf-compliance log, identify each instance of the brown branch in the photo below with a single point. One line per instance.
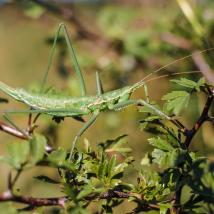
(16, 133)
(34, 202)
(114, 194)
(13, 131)
(176, 209)
(203, 117)
(60, 201)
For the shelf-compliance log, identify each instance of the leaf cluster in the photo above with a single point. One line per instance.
(99, 176)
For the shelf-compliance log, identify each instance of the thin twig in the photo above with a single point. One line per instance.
(13, 131)
(203, 117)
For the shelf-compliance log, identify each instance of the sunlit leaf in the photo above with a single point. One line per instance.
(190, 83)
(160, 144)
(18, 153)
(37, 146)
(176, 101)
(57, 156)
(164, 207)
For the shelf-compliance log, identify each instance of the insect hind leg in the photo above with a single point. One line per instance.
(73, 58)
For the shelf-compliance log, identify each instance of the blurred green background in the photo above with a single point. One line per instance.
(125, 40)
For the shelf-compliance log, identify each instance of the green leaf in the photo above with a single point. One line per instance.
(190, 83)
(176, 101)
(37, 146)
(58, 159)
(87, 190)
(18, 154)
(118, 147)
(169, 159)
(185, 82)
(110, 143)
(58, 156)
(111, 165)
(119, 169)
(164, 207)
(160, 157)
(160, 144)
(102, 169)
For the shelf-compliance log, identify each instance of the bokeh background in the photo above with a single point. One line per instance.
(124, 40)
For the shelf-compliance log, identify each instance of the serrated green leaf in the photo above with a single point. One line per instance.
(176, 101)
(160, 144)
(185, 82)
(190, 83)
(169, 159)
(159, 157)
(18, 153)
(37, 146)
(174, 94)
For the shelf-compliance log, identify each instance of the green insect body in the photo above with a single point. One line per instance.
(70, 106)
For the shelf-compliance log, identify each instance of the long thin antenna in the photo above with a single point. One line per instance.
(174, 62)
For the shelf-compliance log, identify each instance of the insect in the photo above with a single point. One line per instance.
(77, 107)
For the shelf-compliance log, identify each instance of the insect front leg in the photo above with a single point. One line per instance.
(156, 110)
(141, 102)
(81, 131)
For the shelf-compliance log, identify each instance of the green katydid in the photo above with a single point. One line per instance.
(79, 106)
